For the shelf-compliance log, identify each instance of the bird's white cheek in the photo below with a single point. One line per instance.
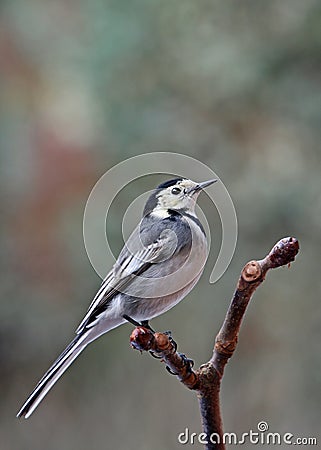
(172, 202)
(188, 203)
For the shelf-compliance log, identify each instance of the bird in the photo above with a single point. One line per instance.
(158, 266)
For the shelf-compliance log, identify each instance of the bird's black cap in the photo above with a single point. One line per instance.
(169, 183)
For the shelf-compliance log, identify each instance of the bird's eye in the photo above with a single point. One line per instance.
(176, 191)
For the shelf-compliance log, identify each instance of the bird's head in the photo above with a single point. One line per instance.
(177, 194)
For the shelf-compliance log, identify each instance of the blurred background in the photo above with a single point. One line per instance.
(87, 84)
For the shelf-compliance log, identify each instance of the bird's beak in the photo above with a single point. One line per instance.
(206, 183)
(201, 186)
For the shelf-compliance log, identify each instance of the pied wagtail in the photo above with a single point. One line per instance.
(159, 265)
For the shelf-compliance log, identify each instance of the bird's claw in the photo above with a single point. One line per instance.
(189, 363)
(174, 344)
(153, 354)
(171, 340)
(170, 371)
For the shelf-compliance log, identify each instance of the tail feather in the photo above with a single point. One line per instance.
(53, 374)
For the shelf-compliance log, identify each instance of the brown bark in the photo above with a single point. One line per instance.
(207, 379)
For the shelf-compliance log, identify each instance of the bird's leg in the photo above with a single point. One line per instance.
(132, 321)
(143, 323)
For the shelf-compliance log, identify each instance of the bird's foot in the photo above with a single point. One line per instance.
(169, 370)
(171, 340)
(154, 355)
(188, 363)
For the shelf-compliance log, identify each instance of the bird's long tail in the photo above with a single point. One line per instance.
(57, 369)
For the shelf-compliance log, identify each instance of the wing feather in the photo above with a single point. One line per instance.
(125, 269)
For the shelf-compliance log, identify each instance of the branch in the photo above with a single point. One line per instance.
(252, 275)
(162, 347)
(207, 379)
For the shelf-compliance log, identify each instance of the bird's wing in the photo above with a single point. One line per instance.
(128, 265)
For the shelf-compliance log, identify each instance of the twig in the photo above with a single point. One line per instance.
(163, 347)
(207, 379)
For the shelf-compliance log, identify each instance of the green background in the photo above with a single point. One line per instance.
(87, 84)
